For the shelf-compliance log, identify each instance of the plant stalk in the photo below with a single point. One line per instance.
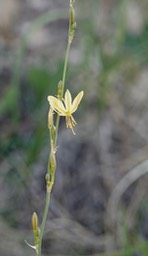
(56, 135)
(44, 221)
(63, 80)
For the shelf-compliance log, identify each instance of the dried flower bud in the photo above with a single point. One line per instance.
(60, 87)
(52, 158)
(50, 118)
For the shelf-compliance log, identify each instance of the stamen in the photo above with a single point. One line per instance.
(70, 123)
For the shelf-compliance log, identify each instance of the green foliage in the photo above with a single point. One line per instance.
(10, 143)
(136, 46)
(34, 144)
(139, 249)
(9, 101)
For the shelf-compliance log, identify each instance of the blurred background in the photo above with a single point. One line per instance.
(99, 203)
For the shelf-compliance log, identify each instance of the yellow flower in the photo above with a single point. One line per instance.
(67, 107)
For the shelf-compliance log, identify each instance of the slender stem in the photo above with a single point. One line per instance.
(63, 80)
(44, 221)
(57, 127)
(65, 65)
(56, 135)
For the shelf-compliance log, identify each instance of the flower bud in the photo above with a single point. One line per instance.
(74, 26)
(47, 177)
(72, 1)
(71, 15)
(34, 221)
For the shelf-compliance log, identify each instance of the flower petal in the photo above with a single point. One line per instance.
(67, 100)
(57, 105)
(76, 101)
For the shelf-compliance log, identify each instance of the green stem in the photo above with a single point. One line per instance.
(56, 135)
(65, 65)
(44, 221)
(63, 80)
(57, 127)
